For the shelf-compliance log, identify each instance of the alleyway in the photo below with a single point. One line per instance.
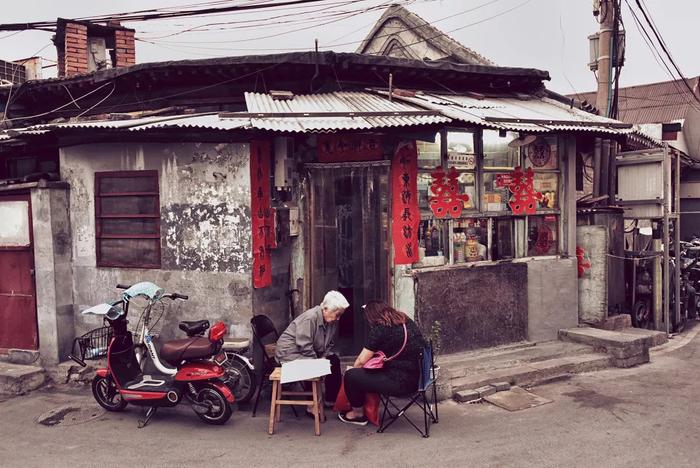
(621, 417)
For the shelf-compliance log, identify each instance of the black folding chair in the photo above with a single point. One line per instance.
(430, 411)
(262, 328)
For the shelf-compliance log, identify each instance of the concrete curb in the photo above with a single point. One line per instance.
(676, 342)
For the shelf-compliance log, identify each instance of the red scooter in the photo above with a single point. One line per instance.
(200, 378)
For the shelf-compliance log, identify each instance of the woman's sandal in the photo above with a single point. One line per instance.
(361, 421)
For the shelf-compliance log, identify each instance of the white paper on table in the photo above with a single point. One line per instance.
(304, 369)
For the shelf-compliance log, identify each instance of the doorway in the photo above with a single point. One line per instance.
(349, 241)
(17, 293)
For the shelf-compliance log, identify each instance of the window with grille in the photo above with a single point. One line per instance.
(127, 219)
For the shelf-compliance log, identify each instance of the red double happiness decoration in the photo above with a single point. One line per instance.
(445, 197)
(405, 213)
(525, 197)
(262, 225)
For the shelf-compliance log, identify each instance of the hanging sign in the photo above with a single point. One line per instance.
(262, 224)
(525, 197)
(405, 213)
(445, 197)
(348, 147)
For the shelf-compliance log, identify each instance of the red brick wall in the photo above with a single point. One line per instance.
(125, 49)
(73, 59)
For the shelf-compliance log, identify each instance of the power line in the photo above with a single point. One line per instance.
(155, 15)
(662, 43)
(426, 23)
(659, 58)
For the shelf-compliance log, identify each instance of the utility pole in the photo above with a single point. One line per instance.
(607, 16)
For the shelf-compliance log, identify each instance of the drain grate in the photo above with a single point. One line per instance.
(69, 415)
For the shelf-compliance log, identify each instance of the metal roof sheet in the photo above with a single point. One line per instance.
(534, 114)
(320, 112)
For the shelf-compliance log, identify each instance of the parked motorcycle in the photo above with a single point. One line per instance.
(240, 373)
(197, 377)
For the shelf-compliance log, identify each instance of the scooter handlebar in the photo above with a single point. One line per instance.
(179, 296)
(123, 286)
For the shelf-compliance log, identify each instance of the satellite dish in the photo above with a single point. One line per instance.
(522, 140)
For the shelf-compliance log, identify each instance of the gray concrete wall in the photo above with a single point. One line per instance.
(477, 307)
(53, 274)
(592, 287)
(205, 229)
(552, 297)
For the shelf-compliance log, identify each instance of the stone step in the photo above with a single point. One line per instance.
(16, 379)
(470, 363)
(627, 349)
(533, 372)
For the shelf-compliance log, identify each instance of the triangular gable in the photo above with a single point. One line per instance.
(402, 34)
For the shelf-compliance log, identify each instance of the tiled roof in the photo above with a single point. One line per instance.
(662, 102)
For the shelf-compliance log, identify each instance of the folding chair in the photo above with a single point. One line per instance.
(426, 380)
(263, 327)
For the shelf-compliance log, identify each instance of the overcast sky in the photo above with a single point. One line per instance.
(545, 34)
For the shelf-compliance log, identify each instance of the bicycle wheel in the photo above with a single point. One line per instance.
(243, 383)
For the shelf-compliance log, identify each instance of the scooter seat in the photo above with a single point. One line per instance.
(197, 347)
(196, 327)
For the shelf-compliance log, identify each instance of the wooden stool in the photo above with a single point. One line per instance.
(316, 401)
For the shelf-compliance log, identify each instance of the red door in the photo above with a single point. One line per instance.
(18, 324)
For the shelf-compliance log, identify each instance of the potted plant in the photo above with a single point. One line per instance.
(436, 339)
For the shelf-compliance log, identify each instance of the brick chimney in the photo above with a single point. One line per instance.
(84, 47)
(125, 48)
(72, 50)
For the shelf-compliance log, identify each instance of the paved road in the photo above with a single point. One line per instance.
(641, 417)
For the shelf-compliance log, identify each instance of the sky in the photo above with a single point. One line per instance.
(550, 35)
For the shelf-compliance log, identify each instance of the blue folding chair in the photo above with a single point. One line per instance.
(426, 381)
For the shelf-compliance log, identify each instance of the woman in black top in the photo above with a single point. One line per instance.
(399, 376)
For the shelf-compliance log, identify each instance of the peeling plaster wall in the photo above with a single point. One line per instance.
(205, 229)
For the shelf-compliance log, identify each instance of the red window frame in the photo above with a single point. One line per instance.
(99, 216)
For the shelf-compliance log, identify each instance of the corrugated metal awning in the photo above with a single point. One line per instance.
(341, 110)
(531, 115)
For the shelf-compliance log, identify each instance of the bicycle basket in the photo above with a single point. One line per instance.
(92, 345)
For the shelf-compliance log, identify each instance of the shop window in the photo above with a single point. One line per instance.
(429, 153)
(127, 219)
(470, 240)
(497, 154)
(431, 241)
(488, 229)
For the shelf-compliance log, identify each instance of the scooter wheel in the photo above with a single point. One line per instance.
(107, 394)
(219, 408)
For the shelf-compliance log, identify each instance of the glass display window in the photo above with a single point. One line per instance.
(542, 154)
(461, 150)
(429, 153)
(495, 193)
(542, 235)
(497, 154)
(547, 183)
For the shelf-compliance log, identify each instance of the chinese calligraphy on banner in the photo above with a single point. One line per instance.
(445, 198)
(262, 225)
(525, 197)
(348, 148)
(405, 213)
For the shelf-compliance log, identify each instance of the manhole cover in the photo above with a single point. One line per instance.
(69, 415)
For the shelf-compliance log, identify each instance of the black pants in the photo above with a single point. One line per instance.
(331, 382)
(359, 382)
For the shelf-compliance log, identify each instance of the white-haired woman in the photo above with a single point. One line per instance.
(311, 336)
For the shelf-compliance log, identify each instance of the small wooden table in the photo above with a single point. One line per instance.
(316, 401)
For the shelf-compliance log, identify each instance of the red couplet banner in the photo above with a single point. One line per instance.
(262, 224)
(405, 212)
